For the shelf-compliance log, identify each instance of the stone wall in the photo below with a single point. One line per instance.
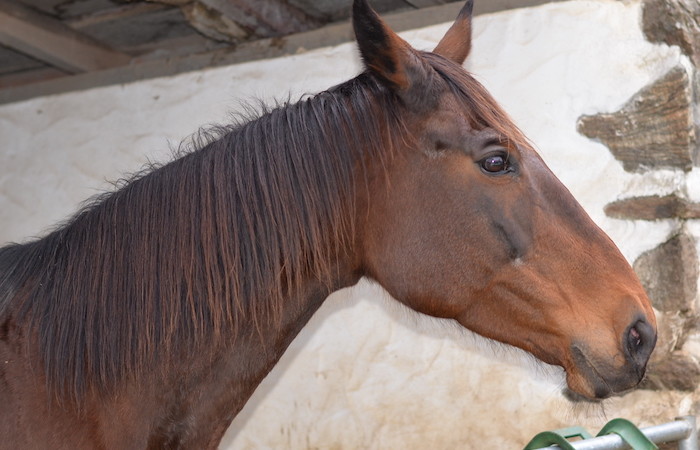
(657, 129)
(366, 372)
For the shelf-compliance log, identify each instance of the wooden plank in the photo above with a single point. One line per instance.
(49, 40)
(264, 18)
(324, 10)
(29, 76)
(12, 61)
(425, 3)
(121, 12)
(329, 35)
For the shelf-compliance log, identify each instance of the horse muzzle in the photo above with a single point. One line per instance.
(595, 377)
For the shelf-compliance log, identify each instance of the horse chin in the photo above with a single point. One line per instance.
(591, 381)
(575, 397)
(587, 389)
(594, 388)
(601, 396)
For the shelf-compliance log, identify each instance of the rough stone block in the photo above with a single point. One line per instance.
(677, 371)
(653, 207)
(653, 130)
(674, 22)
(669, 273)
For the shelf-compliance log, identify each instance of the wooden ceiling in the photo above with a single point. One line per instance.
(48, 39)
(53, 46)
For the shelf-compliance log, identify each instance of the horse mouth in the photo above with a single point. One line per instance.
(593, 382)
(596, 381)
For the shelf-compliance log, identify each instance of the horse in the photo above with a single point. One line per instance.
(148, 318)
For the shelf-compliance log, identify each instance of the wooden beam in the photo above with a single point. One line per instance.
(330, 35)
(30, 76)
(121, 12)
(264, 18)
(49, 40)
(424, 3)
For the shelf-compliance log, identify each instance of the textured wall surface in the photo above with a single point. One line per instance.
(366, 372)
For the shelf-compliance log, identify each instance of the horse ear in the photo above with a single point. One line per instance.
(457, 42)
(384, 53)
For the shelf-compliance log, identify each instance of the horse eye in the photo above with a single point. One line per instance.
(495, 164)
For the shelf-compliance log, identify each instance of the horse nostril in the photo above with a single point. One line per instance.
(635, 340)
(640, 341)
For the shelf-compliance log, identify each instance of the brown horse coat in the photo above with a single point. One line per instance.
(149, 318)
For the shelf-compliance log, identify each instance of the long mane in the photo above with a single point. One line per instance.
(194, 251)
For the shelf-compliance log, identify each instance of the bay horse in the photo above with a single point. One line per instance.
(148, 319)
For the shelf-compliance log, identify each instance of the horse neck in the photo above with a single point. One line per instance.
(257, 347)
(217, 386)
(242, 361)
(257, 351)
(212, 263)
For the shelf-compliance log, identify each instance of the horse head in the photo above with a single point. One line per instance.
(467, 222)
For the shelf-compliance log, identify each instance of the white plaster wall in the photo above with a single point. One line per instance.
(366, 372)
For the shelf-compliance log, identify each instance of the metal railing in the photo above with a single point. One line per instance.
(683, 431)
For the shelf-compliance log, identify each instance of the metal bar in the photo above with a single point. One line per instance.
(691, 441)
(683, 430)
